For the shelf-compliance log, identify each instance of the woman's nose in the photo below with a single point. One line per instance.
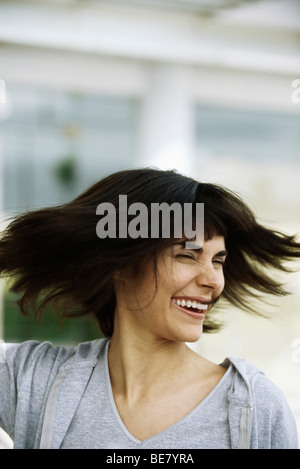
(210, 278)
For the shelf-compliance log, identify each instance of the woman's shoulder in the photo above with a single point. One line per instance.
(26, 352)
(34, 353)
(273, 420)
(253, 383)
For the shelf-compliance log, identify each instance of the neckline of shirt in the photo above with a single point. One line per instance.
(179, 422)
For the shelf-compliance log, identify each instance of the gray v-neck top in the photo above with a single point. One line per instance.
(97, 424)
(56, 396)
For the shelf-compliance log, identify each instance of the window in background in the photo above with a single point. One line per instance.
(54, 145)
(255, 153)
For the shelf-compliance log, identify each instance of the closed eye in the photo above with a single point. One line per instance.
(187, 256)
(219, 261)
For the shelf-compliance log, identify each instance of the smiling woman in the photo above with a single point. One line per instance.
(187, 281)
(141, 386)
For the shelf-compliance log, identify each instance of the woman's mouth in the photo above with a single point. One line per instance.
(190, 306)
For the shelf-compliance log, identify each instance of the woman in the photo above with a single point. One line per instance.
(141, 386)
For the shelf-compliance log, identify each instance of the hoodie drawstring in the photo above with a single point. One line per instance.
(245, 428)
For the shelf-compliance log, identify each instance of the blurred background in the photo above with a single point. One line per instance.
(208, 87)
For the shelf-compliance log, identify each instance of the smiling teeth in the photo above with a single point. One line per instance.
(191, 304)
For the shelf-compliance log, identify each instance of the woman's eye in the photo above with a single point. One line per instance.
(186, 256)
(218, 261)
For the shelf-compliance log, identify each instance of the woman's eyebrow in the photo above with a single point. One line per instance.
(222, 253)
(182, 244)
(200, 250)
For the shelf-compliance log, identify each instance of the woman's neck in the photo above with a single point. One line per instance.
(137, 366)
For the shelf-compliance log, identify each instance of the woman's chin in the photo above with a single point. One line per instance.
(192, 336)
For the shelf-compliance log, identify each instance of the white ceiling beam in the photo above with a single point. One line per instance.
(132, 33)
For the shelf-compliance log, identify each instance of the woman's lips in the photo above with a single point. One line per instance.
(189, 306)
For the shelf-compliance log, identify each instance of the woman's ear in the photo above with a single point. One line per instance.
(125, 273)
(117, 274)
(121, 273)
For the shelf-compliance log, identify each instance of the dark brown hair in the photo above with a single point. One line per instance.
(54, 256)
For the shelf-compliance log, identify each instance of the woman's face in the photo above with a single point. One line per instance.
(174, 307)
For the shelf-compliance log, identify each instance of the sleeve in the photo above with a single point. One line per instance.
(8, 392)
(283, 426)
(26, 369)
(276, 425)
